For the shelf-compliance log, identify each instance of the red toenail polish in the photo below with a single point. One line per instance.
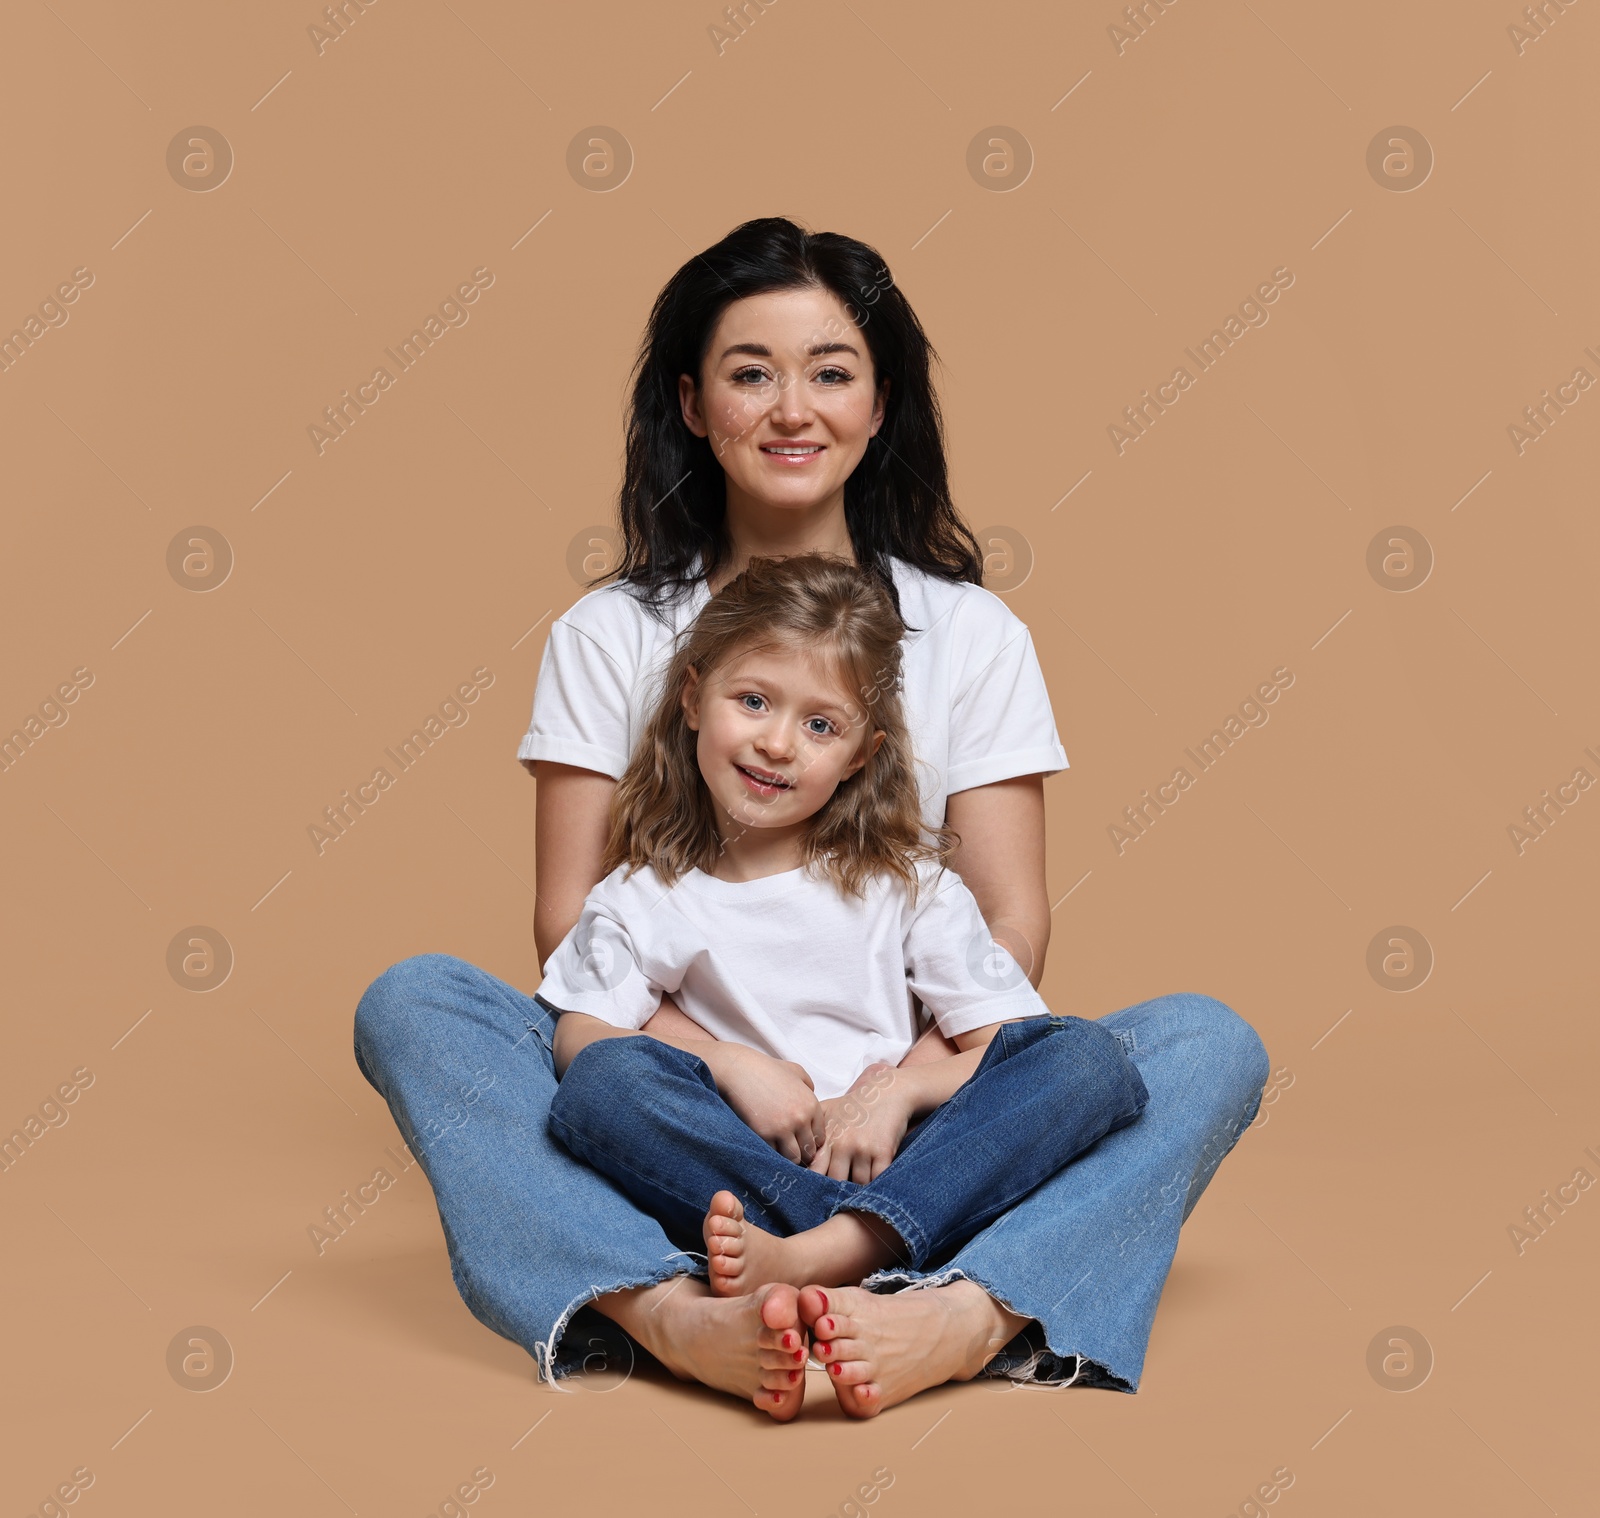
(824, 1297)
(794, 1375)
(822, 1349)
(799, 1354)
(833, 1370)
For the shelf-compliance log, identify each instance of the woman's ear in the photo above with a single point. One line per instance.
(880, 408)
(689, 404)
(690, 698)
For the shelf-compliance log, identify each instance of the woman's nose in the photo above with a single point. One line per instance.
(792, 408)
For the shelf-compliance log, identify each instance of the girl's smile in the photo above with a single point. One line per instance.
(763, 783)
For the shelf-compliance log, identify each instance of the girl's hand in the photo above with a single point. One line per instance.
(864, 1127)
(774, 1096)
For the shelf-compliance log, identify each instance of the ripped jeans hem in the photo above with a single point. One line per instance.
(1029, 1359)
(552, 1368)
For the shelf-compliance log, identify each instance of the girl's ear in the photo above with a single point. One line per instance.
(690, 698)
(868, 749)
(689, 404)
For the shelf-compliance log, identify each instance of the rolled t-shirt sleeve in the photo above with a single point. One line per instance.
(580, 705)
(1001, 724)
(956, 970)
(600, 969)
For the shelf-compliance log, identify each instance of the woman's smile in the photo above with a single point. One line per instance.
(792, 455)
(791, 364)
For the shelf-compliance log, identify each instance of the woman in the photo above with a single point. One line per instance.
(783, 403)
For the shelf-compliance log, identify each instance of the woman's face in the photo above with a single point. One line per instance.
(787, 397)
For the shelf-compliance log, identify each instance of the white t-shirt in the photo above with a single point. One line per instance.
(974, 697)
(790, 965)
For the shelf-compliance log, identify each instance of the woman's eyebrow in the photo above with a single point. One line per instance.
(761, 350)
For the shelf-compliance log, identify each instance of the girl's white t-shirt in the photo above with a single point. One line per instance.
(974, 695)
(790, 965)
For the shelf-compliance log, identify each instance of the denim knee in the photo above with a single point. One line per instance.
(1232, 1049)
(1068, 1042)
(394, 1009)
(600, 1073)
(1114, 1059)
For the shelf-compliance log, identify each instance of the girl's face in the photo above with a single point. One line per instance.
(778, 732)
(787, 397)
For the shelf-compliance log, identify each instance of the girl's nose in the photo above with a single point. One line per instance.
(776, 741)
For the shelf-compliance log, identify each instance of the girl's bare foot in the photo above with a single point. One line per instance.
(753, 1347)
(879, 1350)
(741, 1257)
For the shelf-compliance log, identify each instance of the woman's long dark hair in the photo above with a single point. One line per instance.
(896, 503)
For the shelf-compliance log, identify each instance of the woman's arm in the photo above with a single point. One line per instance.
(572, 816)
(1001, 861)
(571, 820)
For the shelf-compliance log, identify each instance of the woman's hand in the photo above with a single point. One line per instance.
(774, 1097)
(864, 1127)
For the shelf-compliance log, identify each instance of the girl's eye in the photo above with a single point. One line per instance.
(752, 703)
(819, 727)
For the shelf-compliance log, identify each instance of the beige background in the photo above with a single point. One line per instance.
(1409, 1130)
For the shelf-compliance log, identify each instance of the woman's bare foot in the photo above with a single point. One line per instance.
(879, 1350)
(753, 1347)
(741, 1257)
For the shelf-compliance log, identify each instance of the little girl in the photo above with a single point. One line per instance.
(769, 868)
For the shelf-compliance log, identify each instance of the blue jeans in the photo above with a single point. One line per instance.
(650, 1117)
(464, 1062)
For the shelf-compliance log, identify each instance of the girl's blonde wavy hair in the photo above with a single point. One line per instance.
(662, 812)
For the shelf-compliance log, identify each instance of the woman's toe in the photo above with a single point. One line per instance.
(813, 1304)
(780, 1406)
(840, 1351)
(868, 1398)
(851, 1372)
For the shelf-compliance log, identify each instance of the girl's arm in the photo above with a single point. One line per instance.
(863, 1128)
(1000, 858)
(575, 1031)
(572, 818)
(774, 1097)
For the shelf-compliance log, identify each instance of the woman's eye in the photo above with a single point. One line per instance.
(843, 375)
(753, 376)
